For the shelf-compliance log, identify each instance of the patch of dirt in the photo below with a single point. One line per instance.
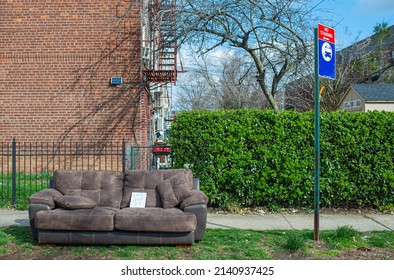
(50, 252)
(53, 256)
(367, 254)
(320, 251)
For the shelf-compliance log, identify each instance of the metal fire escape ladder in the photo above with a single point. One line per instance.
(163, 62)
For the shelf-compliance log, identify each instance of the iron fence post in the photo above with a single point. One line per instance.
(13, 172)
(123, 157)
(132, 158)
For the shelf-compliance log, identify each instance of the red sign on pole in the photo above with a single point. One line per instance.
(325, 33)
(326, 51)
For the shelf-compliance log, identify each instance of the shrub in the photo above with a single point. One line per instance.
(262, 158)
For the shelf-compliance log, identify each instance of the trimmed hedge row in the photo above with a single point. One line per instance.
(262, 158)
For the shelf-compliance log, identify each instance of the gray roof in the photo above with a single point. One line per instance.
(375, 92)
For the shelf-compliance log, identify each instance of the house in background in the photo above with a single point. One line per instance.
(368, 97)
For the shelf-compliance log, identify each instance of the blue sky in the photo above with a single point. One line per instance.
(353, 20)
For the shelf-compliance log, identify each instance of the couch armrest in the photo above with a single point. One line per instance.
(200, 211)
(33, 209)
(197, 204)
(46, 197)
(43, 200)
(197, 197)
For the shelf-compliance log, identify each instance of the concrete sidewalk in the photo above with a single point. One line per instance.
(13, 217)
(269, 221)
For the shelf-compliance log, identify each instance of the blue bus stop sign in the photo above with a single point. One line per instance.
(326, 52)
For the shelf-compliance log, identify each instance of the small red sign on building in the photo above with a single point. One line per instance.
(326, 33)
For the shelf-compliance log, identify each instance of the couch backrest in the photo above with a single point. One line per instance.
(147, 180)
(104, 187)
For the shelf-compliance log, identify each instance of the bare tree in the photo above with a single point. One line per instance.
(226, 81)
(237, 83)
(197, 89)
(274, 33)
(193, 94)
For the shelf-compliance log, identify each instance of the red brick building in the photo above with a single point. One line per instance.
(56, 62)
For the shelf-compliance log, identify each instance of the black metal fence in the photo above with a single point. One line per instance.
(26, 168)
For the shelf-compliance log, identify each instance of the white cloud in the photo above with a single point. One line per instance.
(378, 7)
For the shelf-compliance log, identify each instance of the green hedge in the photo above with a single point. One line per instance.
(262, 158)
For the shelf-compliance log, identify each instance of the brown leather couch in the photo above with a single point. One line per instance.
(93, 207)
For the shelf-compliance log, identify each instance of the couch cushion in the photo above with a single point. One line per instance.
(103, 187)
(167, 196)
(143, 180)
(75, 202)
(155, 220)
(181, 186)
(96, 219)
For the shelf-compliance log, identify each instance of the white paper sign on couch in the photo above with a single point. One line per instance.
(138, 199)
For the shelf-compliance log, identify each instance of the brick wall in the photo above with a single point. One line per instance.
(56, 60)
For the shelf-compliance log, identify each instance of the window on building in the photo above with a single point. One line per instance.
(347, 105)
(352, 104)
(357, 103)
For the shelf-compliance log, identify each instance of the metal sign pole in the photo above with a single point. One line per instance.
(317, 142)
(324, 67)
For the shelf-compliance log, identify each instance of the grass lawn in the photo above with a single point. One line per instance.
(16, 243)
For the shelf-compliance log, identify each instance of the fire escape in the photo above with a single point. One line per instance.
(161, 66)
(159, 70)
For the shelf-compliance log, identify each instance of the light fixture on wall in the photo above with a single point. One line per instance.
(116, 81)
